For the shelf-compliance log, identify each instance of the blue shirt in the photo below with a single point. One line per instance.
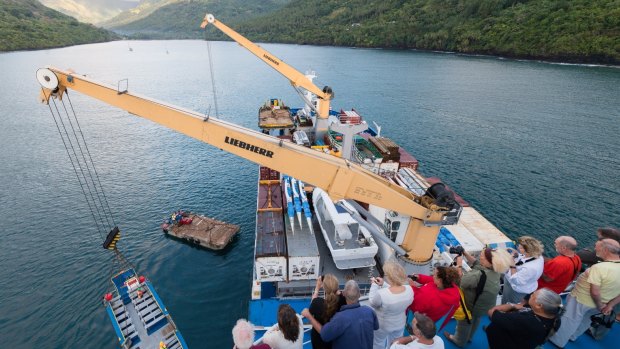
(351, 327)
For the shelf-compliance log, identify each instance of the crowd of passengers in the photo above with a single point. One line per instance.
(531, 310)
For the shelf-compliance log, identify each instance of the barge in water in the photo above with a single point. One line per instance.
(200, 230)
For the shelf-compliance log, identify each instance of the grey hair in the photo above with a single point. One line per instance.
(551, 302)
(612, 246)
(568, 242)
(351, 291)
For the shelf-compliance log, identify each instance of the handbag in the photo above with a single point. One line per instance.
(601, 324)
(462, 313)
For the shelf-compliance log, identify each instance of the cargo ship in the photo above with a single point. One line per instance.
(333, 194)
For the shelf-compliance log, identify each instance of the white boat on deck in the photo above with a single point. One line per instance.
(350, 244)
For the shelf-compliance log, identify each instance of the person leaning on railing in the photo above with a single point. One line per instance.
(595, 288)
(438, 295)
(352, 326)
(323, 309)
(492, 263)
(588, 256)
(525, 326)
(288, 333)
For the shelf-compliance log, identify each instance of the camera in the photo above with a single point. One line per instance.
(457, 250)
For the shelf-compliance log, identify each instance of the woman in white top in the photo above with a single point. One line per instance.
(288, 333)
(390, 299)
(522, 277)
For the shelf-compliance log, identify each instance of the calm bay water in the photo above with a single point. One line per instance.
(533, 146)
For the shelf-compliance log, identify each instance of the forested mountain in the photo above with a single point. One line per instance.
(26, 24)
(91, 11)
(564, 30)
(180, 19)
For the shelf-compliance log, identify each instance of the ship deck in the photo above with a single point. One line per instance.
(275, 118)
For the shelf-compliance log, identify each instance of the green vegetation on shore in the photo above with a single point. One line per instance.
(563, 30)
(26, 24)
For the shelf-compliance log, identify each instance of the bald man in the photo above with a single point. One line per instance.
(561, 270)
(594, 289)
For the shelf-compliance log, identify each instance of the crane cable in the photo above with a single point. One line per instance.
(84, 168)
(212, 73)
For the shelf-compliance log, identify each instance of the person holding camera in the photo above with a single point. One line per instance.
(323, 309)
(522, 277)
(480, 287)
(390, 298)
(438, 295)
(353, 326)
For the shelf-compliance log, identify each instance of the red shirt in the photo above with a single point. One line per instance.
(433, 302)
(562, 270)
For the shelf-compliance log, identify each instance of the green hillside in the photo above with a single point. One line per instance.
(181, 19)
(564, 30)
(26, 24)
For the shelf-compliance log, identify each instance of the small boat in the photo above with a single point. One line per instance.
(350, 244)
(139, 316)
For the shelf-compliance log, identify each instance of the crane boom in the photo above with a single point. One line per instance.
(339, 178)
(295, 77)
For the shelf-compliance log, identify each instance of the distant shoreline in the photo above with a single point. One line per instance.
(583, 63)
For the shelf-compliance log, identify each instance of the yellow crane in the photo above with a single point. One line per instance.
(338, 177)
(296, 78)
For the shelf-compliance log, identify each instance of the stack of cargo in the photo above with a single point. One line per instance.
(270, 252)
(365, 152)
(407, 160)
(303, 251)
(387, 148)
(268, 174)
(349, 117)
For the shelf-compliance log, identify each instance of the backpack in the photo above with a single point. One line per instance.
(462, 313)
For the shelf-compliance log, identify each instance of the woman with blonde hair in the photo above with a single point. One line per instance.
(323, 309)
(485, 272)
(390, 298)
(522, 277)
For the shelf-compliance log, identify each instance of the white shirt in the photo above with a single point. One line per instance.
(275, 338)
(390, 307)
(437, 344)
(525, 280)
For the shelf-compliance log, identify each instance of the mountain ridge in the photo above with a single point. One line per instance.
(27, 25)
(576, 31)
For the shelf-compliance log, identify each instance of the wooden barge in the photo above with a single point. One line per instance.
(203, 231)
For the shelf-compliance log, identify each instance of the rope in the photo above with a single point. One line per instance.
(86, 163)
(212, 74)
(83, 165)
(105, 198)
(92, 211)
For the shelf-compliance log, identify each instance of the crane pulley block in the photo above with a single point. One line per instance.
(110, 241)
